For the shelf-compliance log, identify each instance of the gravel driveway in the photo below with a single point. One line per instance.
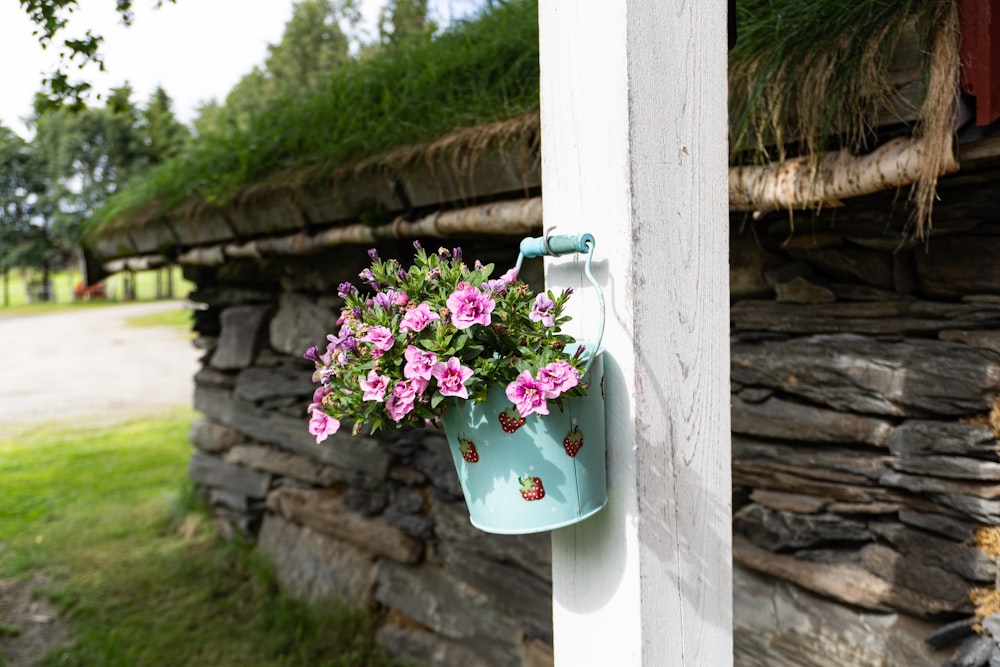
(89, 363)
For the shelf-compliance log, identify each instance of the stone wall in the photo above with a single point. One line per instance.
(371, 522)
(865, 373)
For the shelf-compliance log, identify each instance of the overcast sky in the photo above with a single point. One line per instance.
(195, 49)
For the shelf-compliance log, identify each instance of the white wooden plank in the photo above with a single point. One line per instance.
(634, 151)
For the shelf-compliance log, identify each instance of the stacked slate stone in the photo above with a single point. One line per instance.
(367, 521)
(865, 376)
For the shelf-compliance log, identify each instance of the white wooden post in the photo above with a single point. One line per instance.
(634, 145)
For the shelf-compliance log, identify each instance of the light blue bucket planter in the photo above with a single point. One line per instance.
(529, 481)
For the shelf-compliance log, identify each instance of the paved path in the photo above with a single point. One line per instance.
(59, 366)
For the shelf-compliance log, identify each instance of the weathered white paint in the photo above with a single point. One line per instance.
(634, 151)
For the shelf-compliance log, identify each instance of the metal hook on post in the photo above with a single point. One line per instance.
(564, 244)
(545, 241)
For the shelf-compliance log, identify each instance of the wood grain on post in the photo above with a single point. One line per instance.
(633, 107)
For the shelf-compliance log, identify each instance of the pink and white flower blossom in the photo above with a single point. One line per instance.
(417, 319)
(374, 386)
(318, 395)
(469, 305)
(419, 364)
(541, 311)
(381, 339)
(451, 377)
(557, 378)
(400, 404)
(322, 425)
(527, 394)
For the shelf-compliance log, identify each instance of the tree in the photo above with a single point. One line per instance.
(163, 135)
(402, 22)
(86, 154)
(20, 243)
(315, 42)
(52, 18)
(312, 45)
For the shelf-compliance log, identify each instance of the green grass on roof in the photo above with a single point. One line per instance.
(809, 75)
(481, 70)
(805, 76)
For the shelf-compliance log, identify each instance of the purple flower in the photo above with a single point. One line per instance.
(510, 277)
(527, 394)
(400, 404)
(451, 377)
(417, 319)
(312, 354)
(469, 305)
(367, 275)
(434, 273)
(416, 245)
(495, 287)
(419, 364)
(373, 253)
(346, 289)
(381, 339)
(541, 311)
(322, 425)
(457, 254)
(375, 386)
(337, 341)
(385, 299)
(323, 374)
(557, 377)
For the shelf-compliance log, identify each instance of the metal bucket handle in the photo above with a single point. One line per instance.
(564, 244)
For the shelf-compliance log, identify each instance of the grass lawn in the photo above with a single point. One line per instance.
(107, 516)
(13, 292)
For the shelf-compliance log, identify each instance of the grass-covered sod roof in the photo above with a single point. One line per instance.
(805, 76)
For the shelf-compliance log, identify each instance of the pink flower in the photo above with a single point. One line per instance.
(557, 377)
(510, 277)
(416, 319)
(381, 339)
(419, 364)
(451, 377)
(318, 395)
(322, 425)
(375, 386)
(468, 306)
(527, 394)
(541, 311)
(400, 404)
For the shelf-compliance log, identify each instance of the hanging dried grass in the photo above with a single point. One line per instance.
(935, 130)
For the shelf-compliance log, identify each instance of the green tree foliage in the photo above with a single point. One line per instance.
(21, 243)
(85, 154)
(52, 18)
(162, 134)
(78, 157)
(403, 22)
(315, 42)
